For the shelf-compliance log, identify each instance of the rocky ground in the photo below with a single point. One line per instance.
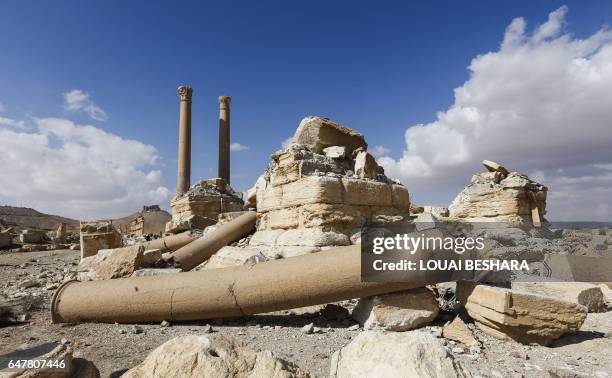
(113, 348)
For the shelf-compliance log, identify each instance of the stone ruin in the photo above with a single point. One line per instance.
(318, 193)
(200, 206)
(497, 195)
(97, 235)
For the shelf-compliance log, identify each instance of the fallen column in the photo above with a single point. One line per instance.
(171, 242)
(195, 253)
(306, 280)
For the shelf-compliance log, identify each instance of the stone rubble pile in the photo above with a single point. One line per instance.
(500, 196)
(201, 205)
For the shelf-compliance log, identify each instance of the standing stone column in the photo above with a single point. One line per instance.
(184, 148)
(224, 137)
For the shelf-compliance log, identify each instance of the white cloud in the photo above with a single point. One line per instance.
(78, 101)
(379, 151)
(78, 170)
(238, 147)
(539, 105)
(12, 122)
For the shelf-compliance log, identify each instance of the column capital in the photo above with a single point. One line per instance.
(224, 101)
(185, 93)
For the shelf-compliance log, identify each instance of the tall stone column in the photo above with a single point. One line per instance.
(184, 148)
(224, 137)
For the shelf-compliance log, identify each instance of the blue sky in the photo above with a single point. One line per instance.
(379, 67)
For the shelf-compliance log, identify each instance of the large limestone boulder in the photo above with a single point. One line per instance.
(116, 263)
(523, 317)
(399, 312)
(409, 354)
(212, 356)
(584, 293)
(319, 133)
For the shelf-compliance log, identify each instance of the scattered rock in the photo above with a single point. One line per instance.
(400, 311)
(207, 328)
(136, 329)
(122, 262)
(165, 324)
(408, 354)
(308, 328)
(458, 331)
(26, 284)
(212, 356)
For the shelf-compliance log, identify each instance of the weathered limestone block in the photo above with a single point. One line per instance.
(400, 197)
(98, 235)
(120, 262)
(586, 294)
(437, 211)
(366, 192)
(269, 198)
(398, 312)
(265, 237)
(409, 354)
(519, 316)
(283, 218)
(32, 236)
(232, 256)
(212, 356)
(365, 165)
(312, 189)
(458, 331)
(315, 215)
(320, 133)
(312, 237)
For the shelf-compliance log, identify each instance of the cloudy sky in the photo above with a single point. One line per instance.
(89, 110)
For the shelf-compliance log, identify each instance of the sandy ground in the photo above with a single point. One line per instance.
(116, 347)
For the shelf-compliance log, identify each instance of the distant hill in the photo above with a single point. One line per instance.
(24, 217)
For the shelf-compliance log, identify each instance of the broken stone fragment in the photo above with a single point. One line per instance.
(122, 262)
(154, 272)
(398, 312)
(519, 316)
(212, 356)
(365, 165)
(335, 152)
(319, 133)
(586, 294)
(409, 354)
(458, 331)
(233, 256)
(494, 167)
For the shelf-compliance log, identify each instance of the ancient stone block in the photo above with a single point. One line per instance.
(400, 197)
(366, 192)
(523, 317)
(320, 133)
(98, 235)
(583, 293)
(312, 189)
(335, 152)
(283, 218)
(458, 331)
(365, 165)
(315, 215)
(314, 237)
(397, 311)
